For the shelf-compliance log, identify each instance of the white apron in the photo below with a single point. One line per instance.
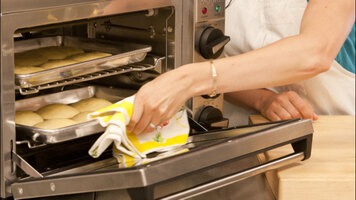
(253, 24)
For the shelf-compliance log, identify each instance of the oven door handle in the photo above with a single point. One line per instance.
(230, 179)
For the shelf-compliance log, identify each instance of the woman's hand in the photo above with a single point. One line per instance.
(287, 105)
(157, 101)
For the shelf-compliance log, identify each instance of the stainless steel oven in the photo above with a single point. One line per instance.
(144, 39)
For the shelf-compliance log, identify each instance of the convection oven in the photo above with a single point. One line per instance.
(142, 39)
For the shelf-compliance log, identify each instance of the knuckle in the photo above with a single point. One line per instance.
(151, 106)
(161, 110)
(279, 98)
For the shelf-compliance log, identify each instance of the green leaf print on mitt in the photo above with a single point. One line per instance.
(158, 138)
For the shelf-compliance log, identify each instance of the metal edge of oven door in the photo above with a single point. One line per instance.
(298, 133)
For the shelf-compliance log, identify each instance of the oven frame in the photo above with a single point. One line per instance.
(22, 14)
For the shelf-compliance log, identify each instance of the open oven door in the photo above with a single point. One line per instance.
(205, 151)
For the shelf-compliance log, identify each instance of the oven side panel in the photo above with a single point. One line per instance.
(7, 127)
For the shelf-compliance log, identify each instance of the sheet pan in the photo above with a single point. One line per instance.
(122, 54)
(36, 136)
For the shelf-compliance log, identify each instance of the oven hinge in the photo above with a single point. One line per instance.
(25, 166)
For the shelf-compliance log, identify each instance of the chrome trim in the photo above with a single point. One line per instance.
(216, 184)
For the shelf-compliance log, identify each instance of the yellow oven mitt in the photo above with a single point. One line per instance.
(116, 116)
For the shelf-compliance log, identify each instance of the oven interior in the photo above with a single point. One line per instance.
(153, 28)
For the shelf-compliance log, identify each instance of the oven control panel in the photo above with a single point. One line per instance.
(209, 9)
(209, 42)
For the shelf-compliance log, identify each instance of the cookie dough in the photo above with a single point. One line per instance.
(55, 123)
(27, 69)
(91, 104)
(81, 117)
(29, 58)
(58, 52)
(89, 56)
(57, 63)
(57, 111)
(27, 118)
(70, 51)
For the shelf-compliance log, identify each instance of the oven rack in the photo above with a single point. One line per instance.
(157, 64)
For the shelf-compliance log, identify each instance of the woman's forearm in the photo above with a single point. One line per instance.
(249, 98)
(286, 61)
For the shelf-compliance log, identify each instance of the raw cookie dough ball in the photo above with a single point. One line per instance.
(57, 63)
(55, 123)
(91, 104)
(27, 118)
(70, 51)
(58, 52)
(89, 56)
(27, 69)
(51, 53)
(29, 58)
(57, 111)
(81, 117)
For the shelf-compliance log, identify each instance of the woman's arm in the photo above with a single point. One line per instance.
(283, 106)
(324, 28)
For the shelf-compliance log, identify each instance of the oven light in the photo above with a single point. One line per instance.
(204, 10)
(218, 8)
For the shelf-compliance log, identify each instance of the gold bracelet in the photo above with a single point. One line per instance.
(215, 76)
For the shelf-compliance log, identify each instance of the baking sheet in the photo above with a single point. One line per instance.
(122, 54)
(44, 136)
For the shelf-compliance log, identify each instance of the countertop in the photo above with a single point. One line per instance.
(328, 174)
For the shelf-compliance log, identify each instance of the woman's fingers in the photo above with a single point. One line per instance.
(154, 124)
(303, 106)
(136, 114)
(276, 112)
(314, 115)
(143, 124)
(272, 116)
(287, 105)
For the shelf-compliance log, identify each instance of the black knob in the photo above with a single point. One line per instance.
(210, 42)
(211, 118)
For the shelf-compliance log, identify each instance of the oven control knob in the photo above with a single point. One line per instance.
(210, 42)
(211, 118)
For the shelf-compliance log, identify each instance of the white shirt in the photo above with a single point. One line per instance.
(253, 24)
